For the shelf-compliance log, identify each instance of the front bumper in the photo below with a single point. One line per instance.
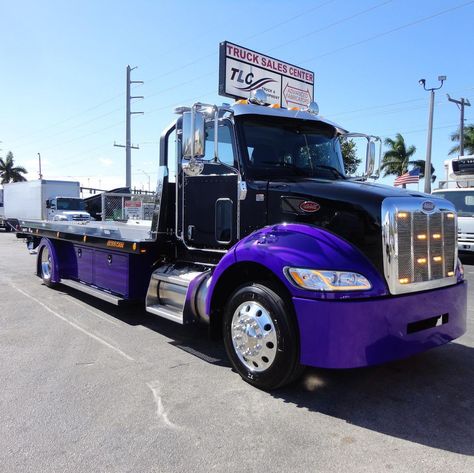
(350, 334)
(466, 246)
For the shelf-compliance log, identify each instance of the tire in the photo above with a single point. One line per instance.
(261, 337)
(45, 266)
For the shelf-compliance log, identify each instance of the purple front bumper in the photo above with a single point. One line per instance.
(350, 334)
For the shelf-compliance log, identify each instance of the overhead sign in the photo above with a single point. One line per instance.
(242, 70)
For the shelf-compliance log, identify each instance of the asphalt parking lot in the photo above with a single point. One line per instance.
(86, 386)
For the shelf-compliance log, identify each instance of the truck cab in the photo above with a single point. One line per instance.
(458, 188)
(67, 209)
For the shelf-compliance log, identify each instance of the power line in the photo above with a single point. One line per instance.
(299, 15)
(385, 33)
(335, 23)
(94, 107)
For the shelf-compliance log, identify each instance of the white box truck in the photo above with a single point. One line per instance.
(44, 200)
(3, 220)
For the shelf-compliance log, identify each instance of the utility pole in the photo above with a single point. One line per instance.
(461, 103)
(430, 131)
(39, 162)
(128, 141)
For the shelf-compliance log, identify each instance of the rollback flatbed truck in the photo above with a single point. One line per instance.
(258, 233)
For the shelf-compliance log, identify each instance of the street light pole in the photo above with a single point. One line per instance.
(461, 103)
(430, 131)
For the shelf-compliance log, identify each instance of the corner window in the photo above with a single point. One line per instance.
(225, 148)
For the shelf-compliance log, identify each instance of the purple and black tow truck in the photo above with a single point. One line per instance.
(258, 233)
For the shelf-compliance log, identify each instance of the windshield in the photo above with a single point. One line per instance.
(462, 200)
(70, 204)
(276, 147)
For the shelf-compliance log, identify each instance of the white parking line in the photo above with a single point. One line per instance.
(160, 410)
(92, 312)
(72, 324)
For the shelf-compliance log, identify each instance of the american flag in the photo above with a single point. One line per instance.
(410, 177)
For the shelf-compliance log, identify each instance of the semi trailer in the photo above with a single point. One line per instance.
(258, 233)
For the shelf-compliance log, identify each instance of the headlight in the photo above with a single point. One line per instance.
(322, 280)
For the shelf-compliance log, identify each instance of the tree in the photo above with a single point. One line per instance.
(349, 156)
(420, 164)
(396, 160)
(9, 172)
(468, 140)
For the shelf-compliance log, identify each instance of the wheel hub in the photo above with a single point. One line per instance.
(254, 336)
(46, 264)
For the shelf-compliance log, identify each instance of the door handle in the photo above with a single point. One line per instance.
(190, 232)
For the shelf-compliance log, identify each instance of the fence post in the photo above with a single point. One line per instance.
(102, 199)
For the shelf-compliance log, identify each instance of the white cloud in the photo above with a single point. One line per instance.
(106, 161)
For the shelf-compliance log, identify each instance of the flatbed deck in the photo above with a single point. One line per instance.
(134, 231)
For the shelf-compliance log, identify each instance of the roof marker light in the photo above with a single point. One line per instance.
(313, 108)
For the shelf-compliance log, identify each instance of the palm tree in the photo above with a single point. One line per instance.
(397, 158)
(9, 172)
(468, 140)
(420, 163)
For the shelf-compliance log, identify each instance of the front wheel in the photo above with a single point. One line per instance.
(261, 337)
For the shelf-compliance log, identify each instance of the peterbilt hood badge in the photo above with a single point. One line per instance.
(427, 206)
(309, 206)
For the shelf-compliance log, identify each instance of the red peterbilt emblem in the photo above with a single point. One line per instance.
(309, 206)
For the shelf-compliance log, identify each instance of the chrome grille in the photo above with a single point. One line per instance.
(420, 248)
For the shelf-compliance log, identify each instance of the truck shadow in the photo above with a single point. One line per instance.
(426, 399)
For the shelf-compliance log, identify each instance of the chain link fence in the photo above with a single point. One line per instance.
(123, 207)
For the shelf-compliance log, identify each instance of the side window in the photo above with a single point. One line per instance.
(226, 149)
(171, 151)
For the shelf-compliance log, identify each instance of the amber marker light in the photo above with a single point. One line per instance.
(402, 214)
(421, 236)
(421, 260)
(437, 259)
(450, 273)
(404, 280)
(450, 215)
(436, 236)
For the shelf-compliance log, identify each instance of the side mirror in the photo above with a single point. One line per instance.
(370, 159)
(194, 136)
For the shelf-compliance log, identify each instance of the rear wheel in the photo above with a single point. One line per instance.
(261, 337)
(46, 266)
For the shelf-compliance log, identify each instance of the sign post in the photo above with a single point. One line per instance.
(242, 71)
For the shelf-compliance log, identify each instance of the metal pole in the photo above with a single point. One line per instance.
(428, 145)
(422, 82)
(128, 151)
(39, 161)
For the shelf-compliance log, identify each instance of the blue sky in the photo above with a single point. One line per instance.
(62, 76)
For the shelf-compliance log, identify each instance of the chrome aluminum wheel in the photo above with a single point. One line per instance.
(254, 336)
(46, 264)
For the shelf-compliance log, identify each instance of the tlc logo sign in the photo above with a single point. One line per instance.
(247, 80)
(238, 75)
